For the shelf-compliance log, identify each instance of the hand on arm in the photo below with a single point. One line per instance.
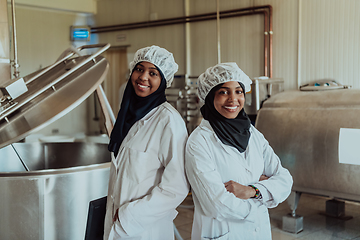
(116, 216)
(240, 191)
(263, 177)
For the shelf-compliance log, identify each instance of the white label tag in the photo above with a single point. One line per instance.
(349, 146)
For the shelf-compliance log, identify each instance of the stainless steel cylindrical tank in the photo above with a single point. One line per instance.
(303, 129)
(51, 200)
(45, 188)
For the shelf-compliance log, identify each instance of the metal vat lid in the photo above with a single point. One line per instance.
(323, 85)
(336, 98)
(51, 93)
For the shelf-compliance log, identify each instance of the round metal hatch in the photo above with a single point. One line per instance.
(51, 93)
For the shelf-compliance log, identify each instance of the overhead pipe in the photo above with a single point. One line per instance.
(266, 10)
(218, 30)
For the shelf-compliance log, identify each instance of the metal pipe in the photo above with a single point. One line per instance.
(15, 61)
(187, 42)
(18, 155)
(270, 41)
(103, 47)
(218, 30)
(299, 43)
(177, 20)
(107, 110)
(264, 9)
(266, 34)
(58, 79)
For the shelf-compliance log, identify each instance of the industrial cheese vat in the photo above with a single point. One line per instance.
(303, 128)
(45, 188)
(50, 201)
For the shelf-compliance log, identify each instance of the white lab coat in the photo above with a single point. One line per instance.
(209, 164)
(147, 179)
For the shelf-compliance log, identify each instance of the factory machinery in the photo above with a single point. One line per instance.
(306, 130)
(46, 187)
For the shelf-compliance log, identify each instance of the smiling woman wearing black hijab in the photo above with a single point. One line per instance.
(234, 174)
(133, 108)
(147, 178)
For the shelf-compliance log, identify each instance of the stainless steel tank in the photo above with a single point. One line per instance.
(45, 188)
(303, 129)
(51, 199)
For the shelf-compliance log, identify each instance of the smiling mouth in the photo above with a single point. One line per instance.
(231, 108)
(142, 86)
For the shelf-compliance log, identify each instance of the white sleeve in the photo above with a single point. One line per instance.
(207, 185)
(169, 193)
(278, 187)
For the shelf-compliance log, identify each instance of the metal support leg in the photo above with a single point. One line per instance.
(293, 223)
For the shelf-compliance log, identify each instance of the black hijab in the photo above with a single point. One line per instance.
(233, 132)
(133, 108)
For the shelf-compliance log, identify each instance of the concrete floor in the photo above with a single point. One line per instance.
(317, 226)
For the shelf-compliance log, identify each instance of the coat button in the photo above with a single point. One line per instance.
(257, 229)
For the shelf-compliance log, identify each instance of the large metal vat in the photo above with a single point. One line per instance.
(50, 201)
(45, 188)
(303, 129)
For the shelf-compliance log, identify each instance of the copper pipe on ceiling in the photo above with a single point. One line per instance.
(266, 10)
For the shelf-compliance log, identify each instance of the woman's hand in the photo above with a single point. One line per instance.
(116, 216)
(263, 177)
(240, 191)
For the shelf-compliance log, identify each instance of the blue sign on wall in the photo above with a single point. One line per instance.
(80, 33)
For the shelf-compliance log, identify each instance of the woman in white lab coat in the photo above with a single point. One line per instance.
(234, 174)
(147, 176)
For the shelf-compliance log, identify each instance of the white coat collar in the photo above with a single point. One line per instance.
(140, 123)
(150, 114)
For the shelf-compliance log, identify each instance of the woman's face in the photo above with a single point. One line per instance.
(229, 99)
(145, 79)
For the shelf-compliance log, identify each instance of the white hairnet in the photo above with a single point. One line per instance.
(160, 57)
(221, 73)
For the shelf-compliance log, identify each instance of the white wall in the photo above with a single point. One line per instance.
(312, 39)
(85, 6)
(329, 37)
(43, 34)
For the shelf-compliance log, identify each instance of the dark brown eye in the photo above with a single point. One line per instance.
(153, 74)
